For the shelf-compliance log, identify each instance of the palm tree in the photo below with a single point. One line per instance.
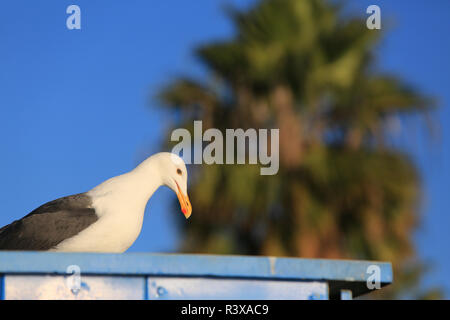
(343, 189)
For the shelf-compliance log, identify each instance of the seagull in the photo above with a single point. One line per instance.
(107, 218)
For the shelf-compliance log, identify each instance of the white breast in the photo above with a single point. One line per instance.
(112, 232)
(108, 234)
(120, 204)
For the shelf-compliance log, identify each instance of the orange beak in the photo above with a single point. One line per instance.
(185, 204)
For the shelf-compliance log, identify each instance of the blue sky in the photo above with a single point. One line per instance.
(76, 105)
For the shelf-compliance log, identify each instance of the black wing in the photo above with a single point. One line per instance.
(50, 224)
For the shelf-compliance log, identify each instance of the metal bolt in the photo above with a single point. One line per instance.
(160, 291)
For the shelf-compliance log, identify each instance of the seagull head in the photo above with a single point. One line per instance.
(174, 175)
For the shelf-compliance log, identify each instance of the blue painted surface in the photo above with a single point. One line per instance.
(57, 287)
(2, 287)
(192, 265)
(185, 276)
(188, 288)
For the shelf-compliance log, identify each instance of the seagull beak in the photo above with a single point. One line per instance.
(185, 204)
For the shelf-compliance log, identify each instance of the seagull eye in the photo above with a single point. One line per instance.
(179, 171)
